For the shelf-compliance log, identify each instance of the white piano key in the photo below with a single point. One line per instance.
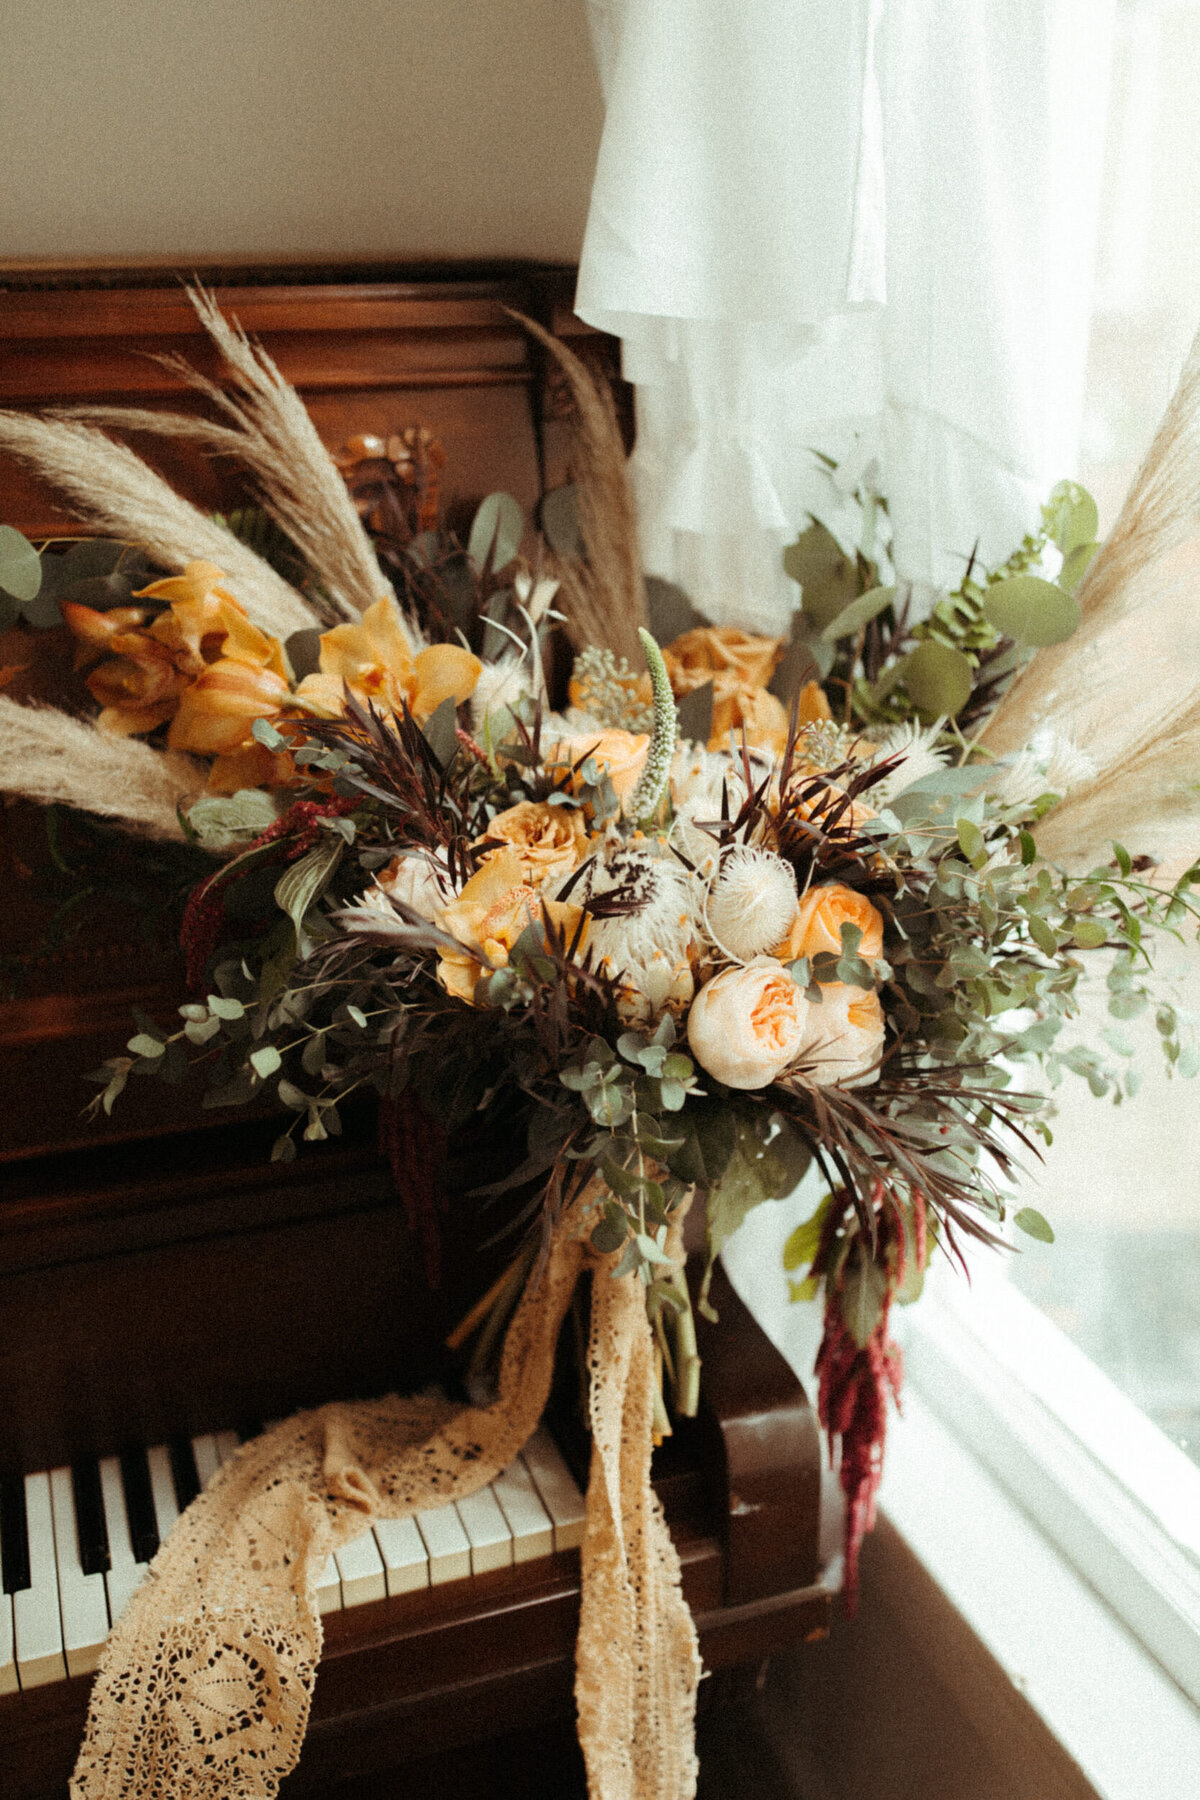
(556, 1485)
(82, 1602)
(125, 1571)
(448, 1545)
(208, 1457)
(405, 1558)
(487, 1528)
(530, 1523)
(226, 1442)
(36, 1622)
(162, 1489)
(329, 1588)
(8, 1655)
(361, 1569)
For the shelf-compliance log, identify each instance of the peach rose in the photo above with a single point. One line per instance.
(551, 841)
(721, 650)
(817, 927)
(620, 754)
(489, 915)
(746, 1025)
(843, 1037)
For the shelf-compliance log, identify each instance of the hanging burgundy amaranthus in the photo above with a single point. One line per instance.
(858, 1365)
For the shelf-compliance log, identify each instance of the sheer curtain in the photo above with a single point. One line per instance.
(860, 226)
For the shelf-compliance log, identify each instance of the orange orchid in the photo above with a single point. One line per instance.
(374, 660)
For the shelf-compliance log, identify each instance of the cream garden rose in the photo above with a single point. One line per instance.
(746, 1025)
(842, 1038)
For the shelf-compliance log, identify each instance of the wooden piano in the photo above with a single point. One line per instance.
(165, 1289)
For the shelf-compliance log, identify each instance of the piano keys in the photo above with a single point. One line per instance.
(68, 1572)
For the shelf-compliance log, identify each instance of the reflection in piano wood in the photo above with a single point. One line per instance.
(174, 1293)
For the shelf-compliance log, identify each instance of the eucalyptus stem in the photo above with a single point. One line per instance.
(687, 1356)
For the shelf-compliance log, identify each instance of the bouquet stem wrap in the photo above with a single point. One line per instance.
(207, 1678)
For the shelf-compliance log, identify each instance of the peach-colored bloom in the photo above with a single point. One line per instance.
(843, 1038)
(373, 658)
(739, 666)
(488, 917)
(550, 841)
(746, 1025)
(216, 711)
(817, 927)
(620, 754)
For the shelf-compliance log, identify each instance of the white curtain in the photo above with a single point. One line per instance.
(863, 226)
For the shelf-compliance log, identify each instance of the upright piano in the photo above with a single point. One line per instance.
(166, 1290)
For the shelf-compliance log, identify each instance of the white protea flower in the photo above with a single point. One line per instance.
(699, 777)
(657, 924)
(751, 903)
(916, 744)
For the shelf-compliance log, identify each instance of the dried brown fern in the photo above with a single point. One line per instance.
(603, 597)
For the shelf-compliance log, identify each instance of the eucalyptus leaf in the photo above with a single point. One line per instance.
(669, 610)
(828, 578)
(860, 612)
(1071, 517)
(862, 1297)
(560, 521)
(440, 732)
(20, 564)
(1075, 566)
(1031, 610)
(304, 653)
(496, 532)
(938, 679)
(1031, 1222)
(10, 611)
(694, 714)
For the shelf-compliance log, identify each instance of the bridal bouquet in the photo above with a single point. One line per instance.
(719, 909)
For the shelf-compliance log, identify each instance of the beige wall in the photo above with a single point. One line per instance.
(295, 127)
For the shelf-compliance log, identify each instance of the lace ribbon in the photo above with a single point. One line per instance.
(207, 1678)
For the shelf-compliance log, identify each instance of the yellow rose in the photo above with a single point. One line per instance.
(843, 1038)
(488, 917)
(747, 1024)
(817, 927)
(550, 841)
(620, 754)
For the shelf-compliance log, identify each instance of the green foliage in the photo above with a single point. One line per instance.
(496, 533)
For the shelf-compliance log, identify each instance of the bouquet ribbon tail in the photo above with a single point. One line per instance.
(207, 1678)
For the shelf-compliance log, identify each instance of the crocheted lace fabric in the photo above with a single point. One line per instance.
(207, 1678)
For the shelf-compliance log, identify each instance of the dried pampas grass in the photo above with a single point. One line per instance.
(298, 482)
(605, 598)
(50, 757)
(1126, 686)
(113, 491)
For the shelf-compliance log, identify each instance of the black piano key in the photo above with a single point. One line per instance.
(184, 1473)
(90, 1527)
(139, 1503)
(14, 1536)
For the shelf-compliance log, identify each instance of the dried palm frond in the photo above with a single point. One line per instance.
(298, 482)
(50, 757)
(604, 598)
(1126, 686)
(113, 490)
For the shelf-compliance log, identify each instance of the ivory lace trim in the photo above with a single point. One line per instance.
(207, 1678)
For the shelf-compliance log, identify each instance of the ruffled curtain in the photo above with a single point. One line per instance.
(860, 226)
